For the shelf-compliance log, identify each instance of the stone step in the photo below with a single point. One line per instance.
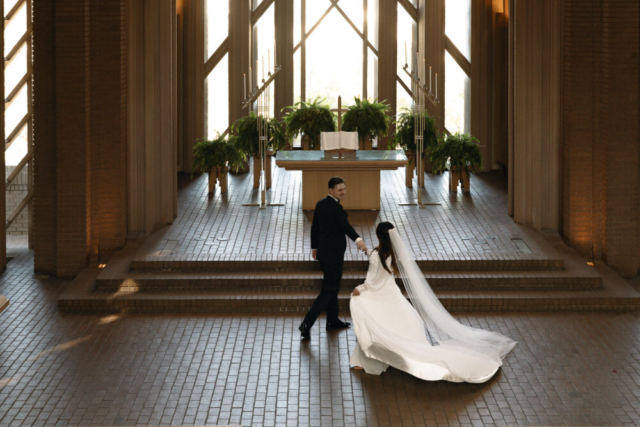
(257, 283)
(304, 262)
(299, 302)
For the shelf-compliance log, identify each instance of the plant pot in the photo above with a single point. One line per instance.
(242, 169)
(222, 173)
(455, 177)
(213, 176)
(257, 165)
(365, 144)
(304, 141)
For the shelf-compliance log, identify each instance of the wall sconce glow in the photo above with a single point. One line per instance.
(590, 263)
(102, 265)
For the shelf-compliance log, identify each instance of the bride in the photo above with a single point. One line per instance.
(422, 339)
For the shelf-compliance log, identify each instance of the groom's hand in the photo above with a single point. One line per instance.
(314, 253)
(356, 292)
(362, 246)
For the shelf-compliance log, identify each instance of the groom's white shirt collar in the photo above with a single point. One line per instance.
(359, 238)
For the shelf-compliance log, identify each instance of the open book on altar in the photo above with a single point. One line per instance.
(339, 141)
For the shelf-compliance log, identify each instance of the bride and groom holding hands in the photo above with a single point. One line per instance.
(421, 337)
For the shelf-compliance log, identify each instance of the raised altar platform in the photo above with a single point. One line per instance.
(361, 173)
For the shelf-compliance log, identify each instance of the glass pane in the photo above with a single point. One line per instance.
(334, 72)
(458, 25)
(372, 17)
(354, 9)
(217, 98)
(314, 11)
(16, 69)
(457, 89)
(18, 149)
(16, 28)
(297, 22)
(256, 3)
(405, 43)
(403, 99)
(216, 25)
(16, 111)
(372, 75)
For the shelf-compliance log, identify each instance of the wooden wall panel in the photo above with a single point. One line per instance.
(534, 113)
(387, 59)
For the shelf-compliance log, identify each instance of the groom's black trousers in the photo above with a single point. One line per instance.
(328, 298)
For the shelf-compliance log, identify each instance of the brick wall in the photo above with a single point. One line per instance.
(600, 131)
(80, 129)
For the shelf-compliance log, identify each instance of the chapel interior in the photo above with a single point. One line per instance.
(131, 294)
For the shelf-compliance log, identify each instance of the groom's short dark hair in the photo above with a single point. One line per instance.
(335, 181)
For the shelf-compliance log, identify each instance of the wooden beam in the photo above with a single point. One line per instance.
(18, 87)
(19, 209)
(259, 11)
(17, 130)
(411, 9)
(462, 61)
(217, 56)
(17, 46)
(17, 170)
(16, 7)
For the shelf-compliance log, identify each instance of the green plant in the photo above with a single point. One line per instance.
(217, 153)
(460, 150)
(369, 118)
(405, 135)
(246, 133)
(311, 119)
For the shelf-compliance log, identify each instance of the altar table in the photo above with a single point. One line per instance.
(361, 174)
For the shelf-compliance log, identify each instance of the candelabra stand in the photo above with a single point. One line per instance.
(262, 96)
(420, 93)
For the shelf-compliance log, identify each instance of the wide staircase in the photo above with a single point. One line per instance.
(135, 281)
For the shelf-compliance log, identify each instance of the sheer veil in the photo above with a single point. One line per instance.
(442, 326)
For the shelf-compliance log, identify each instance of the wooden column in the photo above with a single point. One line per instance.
(284, 39)
(387, 60)
(239, 53)
(152, 116)
(481, 76)
(431, 40)
(3, 196)
(194, 60)
(535, 116)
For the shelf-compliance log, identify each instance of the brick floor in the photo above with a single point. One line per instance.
(568, 369)
(475, 223)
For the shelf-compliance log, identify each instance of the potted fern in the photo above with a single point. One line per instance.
(405, 137)
(309, 119)
(369, 119)
(246, 131)
(459, 152)
(215, 158)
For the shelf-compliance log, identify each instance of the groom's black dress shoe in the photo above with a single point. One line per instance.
(304, 331)
(337, 324)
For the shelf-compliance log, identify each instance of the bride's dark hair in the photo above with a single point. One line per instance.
(385, 250)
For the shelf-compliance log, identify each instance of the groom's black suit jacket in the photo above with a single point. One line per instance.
(330, 225)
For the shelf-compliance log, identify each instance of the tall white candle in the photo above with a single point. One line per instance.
(436, 85)
(250, 79)
(245, 86)
(262, 67)
(405, 52)
(429, 79)
(268, 61)
(275, 58)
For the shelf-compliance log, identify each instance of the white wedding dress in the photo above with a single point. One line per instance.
(422, 339)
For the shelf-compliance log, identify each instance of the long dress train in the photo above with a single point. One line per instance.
(391, 332)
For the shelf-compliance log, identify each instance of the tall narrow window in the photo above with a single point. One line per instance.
(407, 48)
(216, 67)
(335, 49)
(264, 36)
(18, 114)
(457, 103)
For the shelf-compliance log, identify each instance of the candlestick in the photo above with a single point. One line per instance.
(245, 86)
(250, 79)
(429, 79)
(257, 77)
(275, 58)
(262, 67)
(269, 61)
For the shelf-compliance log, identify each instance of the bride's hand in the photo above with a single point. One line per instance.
(355, 293)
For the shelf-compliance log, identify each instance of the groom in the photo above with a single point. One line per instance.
(328, 245)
